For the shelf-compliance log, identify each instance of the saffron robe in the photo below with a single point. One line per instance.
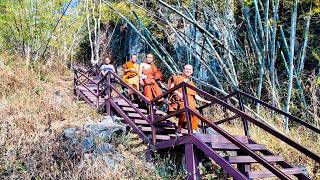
(131, 77)
(151, 88)
(176, 103)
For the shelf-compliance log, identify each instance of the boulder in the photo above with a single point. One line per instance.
(95, 137)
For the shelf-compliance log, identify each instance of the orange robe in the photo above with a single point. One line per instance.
(131, 77)
(176, 103)
(151, 87)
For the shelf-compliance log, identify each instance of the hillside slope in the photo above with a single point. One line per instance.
(36, 104)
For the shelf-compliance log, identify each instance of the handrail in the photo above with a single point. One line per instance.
(226, 119)
(87, 78)
(277, 134)
(129, 87)
(156, 121)
(87, 88)
(223, 98)
(131, 105)
(80, 69)
(242, 146)
(315, 129)
(167, 92)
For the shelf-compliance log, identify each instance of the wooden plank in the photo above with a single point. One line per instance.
(230, 147)
(134, 115)
(162, 137)
(129, 109)
(121, 102)
(219, 139)
(163, 130)
(248, 159)
(265, 174)
(167, 124)
(140, 121)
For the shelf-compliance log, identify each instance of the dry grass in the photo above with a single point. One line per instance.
(36, 104)
(299, 134)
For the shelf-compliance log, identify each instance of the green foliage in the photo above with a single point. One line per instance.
(248, 2)
(125, 9)
(28, 25)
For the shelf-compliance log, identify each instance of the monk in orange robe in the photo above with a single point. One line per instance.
(176, 101)
(130, 71)
(149, 74)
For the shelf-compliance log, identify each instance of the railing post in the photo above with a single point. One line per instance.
(191, 162)
(153, 129)
(74, 82)
(108, 94)
(244, 121)
(186, 108)
(203, 128)
(97, 95)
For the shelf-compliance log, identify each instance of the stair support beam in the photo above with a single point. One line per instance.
(232, 171)
(192, 162)
(244, 121)
(129, 121)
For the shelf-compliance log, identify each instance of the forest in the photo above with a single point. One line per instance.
(269, 49)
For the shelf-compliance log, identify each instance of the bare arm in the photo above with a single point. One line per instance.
(140, 73)
(197, 97)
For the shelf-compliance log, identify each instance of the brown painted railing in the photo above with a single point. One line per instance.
(228, 136)
(269, 106)
(188, 111)
(239, 113)
(258, 123)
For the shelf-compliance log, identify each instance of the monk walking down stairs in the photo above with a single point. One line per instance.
(176, 101)
(149, 74)
(130, 71)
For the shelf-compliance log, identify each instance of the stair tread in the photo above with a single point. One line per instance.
(140, 121)
(265, 174)
(121, 102)
(161, 124)
(229, 146)
(165, 129)
(248, 159)
(134, 115)
(214, 138)
(163, 137)
(131, 110)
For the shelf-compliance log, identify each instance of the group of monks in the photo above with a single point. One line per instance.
(147, 74)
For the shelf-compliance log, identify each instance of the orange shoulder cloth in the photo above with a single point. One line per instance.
(128, 65)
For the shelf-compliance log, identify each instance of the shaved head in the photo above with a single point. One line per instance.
(188, 66)
(188, 70)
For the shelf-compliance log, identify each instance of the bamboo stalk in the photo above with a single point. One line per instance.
(192, 52)
(139, 33)
(273, 51)
(304, 47)
(174, 65)
(89, 32)
(228, 75)
(252, 40)
(198, 26)
(291, 57)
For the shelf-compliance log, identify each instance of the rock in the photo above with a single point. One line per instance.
(57, 99)
(104, 148)
(113, 159)
(95, 137)
(70, 133)
(88, 144)
(106, 130)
